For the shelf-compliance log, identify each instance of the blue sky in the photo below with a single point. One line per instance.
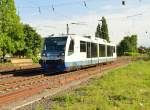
(66, 9)
(46, 21)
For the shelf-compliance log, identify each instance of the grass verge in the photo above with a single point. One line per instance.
(126, 88)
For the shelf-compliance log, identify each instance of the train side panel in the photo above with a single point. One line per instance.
(78, 59)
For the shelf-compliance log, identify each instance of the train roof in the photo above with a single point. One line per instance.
(85, 38)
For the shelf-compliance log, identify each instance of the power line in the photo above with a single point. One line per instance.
(135, 15)
(58, 5)
(52, 6)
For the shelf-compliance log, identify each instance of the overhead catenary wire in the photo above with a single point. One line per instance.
(58, 5)
(135, 15)
(65, 4)
(53, 8)
(39, 10)
(52, 5)
(85, 4)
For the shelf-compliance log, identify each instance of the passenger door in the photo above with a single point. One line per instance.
(89, 53)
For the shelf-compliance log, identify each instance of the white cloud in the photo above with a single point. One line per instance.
(119, 24)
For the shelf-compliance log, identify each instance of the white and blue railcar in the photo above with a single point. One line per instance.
(69, 52)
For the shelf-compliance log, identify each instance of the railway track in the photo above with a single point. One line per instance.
(17, 87)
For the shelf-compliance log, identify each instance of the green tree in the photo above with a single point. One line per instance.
(124, 46)
(148, 52)
(5, 44)
(10, 26)
(133, 42)
(33, 42)
(98, 32)
(128, 44)
(104, 29)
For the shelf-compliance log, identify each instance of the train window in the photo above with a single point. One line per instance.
(82, 46)
(94, 51)
(110, 51)
(102, 49)
(88, 50)
(114, 49)
(55, 44)
(71, 48)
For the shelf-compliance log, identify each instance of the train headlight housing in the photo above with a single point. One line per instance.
(62, 54)
(44, 54)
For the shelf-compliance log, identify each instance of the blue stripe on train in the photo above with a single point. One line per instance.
(85, 63)
(53, 68)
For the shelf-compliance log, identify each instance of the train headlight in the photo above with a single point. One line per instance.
(62, 54)
(44, 55)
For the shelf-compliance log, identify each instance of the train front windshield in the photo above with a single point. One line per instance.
(55, 45)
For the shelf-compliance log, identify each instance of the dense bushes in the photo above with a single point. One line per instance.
(131, 54)
(148, 53)
(35, 59)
